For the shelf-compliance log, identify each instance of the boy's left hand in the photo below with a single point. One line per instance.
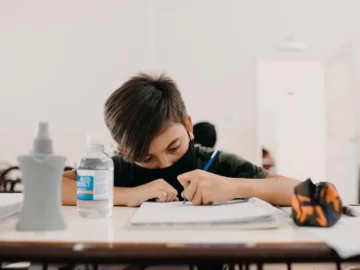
(201, 187)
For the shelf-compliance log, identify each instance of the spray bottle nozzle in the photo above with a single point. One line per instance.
(42, 131)
(42, 143)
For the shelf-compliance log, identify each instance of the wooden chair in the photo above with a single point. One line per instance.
(8, 181)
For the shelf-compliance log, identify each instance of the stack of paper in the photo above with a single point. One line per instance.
(10, 204)
(232, 214)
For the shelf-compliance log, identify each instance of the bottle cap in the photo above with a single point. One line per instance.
(94, 139)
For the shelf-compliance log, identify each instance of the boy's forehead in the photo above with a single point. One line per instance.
(170, 133)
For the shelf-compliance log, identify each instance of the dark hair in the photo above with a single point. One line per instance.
(205, 134)
(140, 110)
(264, 151)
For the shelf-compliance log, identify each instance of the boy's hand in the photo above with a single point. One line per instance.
(158, 189)
(201, 187)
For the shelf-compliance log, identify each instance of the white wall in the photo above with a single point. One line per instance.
(307, 117)
(268, 94)
(355, 49)
(73, 54)
(204, 53)
(291, 116)
(60, 60)
(341, 125)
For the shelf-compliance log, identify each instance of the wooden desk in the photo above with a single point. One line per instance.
(111, 241)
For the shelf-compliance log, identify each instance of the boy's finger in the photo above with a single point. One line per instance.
(197, 199)
(189, 192)
(160, 196)
(170, 191)
(186, 178)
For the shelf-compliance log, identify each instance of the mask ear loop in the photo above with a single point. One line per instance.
(189, 135)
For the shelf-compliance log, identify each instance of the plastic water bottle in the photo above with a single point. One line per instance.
(95, 180)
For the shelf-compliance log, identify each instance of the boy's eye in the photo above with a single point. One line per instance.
(174, 148)
(147, 159)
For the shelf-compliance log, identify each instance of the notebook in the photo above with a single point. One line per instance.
(10, 204)
(250, 214)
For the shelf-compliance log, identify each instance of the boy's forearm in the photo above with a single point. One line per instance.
(276, 190)
(68, 191)
(122, 196)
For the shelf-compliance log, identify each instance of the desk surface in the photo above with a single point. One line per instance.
(112, 240)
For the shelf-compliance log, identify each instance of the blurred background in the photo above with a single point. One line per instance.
(280, 76)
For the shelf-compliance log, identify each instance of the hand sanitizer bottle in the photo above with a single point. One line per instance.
(42, 176)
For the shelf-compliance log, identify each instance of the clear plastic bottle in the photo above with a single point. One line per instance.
(95, 180)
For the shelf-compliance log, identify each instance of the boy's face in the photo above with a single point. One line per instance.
(169, 146)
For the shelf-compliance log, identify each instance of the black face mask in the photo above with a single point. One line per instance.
(185, 164)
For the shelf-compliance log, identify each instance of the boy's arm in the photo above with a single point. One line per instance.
(258, 182)
(275, 189)
(235, 177)
(68, 188)
(202, 187)
(122, 196)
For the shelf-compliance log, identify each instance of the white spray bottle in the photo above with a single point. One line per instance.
(42, 176)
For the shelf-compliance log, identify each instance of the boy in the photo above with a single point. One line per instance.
(158, 160)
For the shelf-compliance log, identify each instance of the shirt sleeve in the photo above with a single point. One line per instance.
(231, 165)
(118, 172)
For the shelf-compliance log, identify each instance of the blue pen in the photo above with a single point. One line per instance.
(208, 164)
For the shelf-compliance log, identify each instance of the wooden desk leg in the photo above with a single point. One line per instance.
(260, 266)
(192, 267)
(338, 265)
(247, 266)
(44, 266)
(288, 266)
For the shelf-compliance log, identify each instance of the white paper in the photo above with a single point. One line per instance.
(179, 213)
(343, 237)
(10, 204)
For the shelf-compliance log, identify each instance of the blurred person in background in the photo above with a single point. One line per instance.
(204, 134)
(267, 161)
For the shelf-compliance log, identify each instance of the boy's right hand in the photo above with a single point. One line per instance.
(158, 189)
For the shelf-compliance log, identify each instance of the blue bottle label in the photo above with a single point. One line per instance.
(93, 185)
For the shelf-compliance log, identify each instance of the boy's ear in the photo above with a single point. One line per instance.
(189, 127)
